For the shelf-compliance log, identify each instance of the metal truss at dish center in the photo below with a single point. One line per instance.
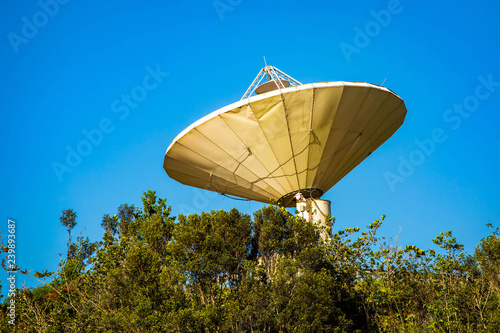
(289, 139)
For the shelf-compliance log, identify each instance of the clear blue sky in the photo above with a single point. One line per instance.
(72, 69)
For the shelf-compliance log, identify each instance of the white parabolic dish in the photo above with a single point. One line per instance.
(303, 138)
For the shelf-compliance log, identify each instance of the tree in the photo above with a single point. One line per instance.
(225, 271)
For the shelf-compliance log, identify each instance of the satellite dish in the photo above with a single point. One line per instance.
(290, 143)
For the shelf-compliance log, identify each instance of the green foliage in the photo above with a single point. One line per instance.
(68, 219)
(224, 271)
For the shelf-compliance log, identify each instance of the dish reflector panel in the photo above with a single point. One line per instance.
(303, 138)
